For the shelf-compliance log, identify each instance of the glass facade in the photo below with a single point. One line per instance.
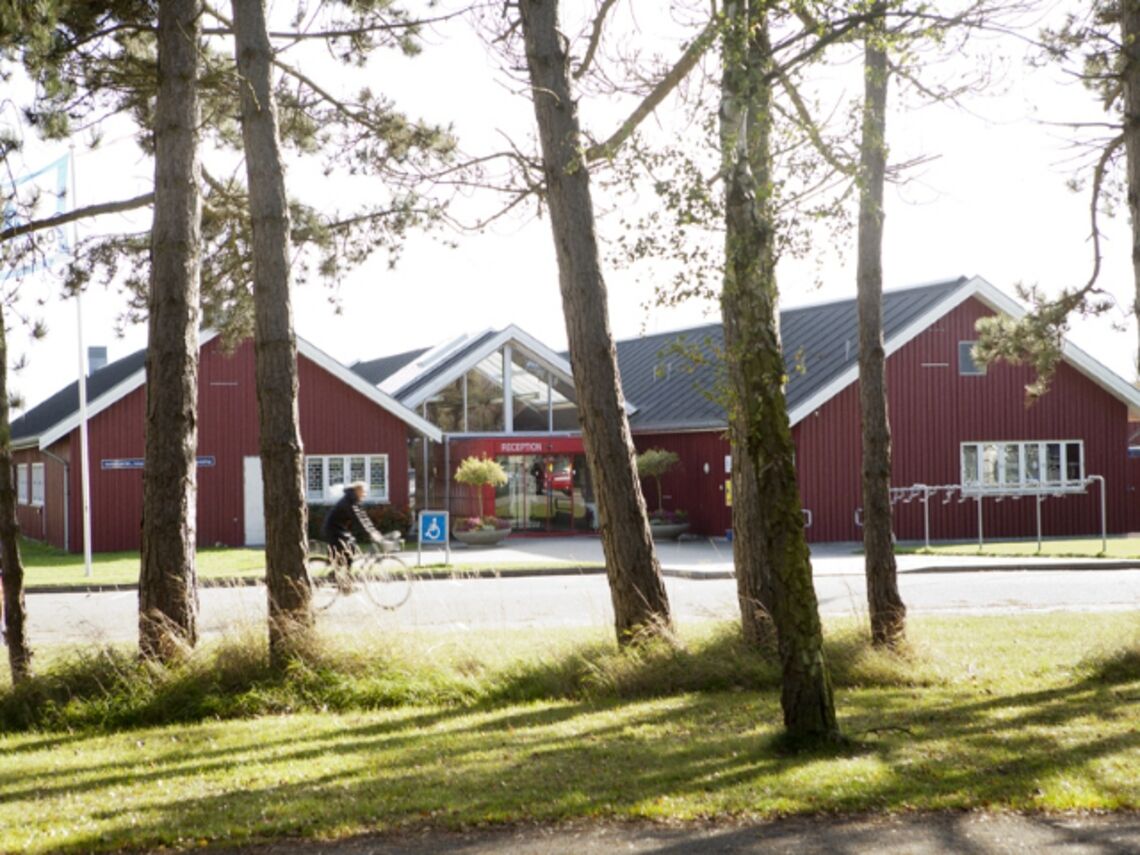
(510, 394)
(547, 493)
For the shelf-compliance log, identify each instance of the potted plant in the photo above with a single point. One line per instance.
(483, 530)
(654, 463)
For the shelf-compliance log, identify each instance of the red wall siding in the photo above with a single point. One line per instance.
(932, 411)
(688, 487)
(116, 494)
(334, 419)
(44, 522)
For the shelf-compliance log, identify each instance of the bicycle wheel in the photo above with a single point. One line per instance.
(387, 581)
(323, 576)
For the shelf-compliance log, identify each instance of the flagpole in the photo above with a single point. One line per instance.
(84, 463)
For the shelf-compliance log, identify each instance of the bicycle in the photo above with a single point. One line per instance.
(375, 568)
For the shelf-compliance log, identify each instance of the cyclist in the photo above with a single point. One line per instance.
(337, 528)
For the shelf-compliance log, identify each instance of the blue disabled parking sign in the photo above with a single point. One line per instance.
(433, 531)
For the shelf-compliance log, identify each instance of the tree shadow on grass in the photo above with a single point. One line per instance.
(693, 754)
(709, 753)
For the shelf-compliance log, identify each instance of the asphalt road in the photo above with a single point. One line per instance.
(582, 600)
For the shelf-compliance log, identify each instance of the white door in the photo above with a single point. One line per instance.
(254, 503)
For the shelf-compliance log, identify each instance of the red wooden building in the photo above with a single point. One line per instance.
(351, 431)
(404, 422)
(503, 394)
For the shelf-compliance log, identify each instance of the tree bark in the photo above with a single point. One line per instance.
(1130, 75)
(168, 593)
(275, 346)
(887, 611)
(757, 373)
(750, 561)
(13, 611)
(636, 587)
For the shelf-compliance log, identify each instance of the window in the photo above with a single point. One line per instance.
(326, 475)
(1021, 465)
(22, 483)
(37, 484)
(966, 365)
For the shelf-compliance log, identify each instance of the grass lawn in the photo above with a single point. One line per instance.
(1090, 547)
(46, 566)
(1031, 712)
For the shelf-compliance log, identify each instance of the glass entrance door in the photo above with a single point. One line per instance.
(546, 493)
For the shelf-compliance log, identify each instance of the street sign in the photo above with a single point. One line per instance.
(433, 531)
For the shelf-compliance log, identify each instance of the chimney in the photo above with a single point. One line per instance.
(96, 359)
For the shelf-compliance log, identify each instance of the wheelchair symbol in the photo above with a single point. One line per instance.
(433, 532)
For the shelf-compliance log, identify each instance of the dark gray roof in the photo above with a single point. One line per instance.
(672, 378)
(673, 392)
(65, 402)
(375, 371)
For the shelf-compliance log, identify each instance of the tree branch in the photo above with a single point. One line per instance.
(804, 119)
(78, 214)
(667, 84)
(595, 38)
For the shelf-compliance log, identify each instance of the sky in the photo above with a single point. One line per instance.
(992, 201)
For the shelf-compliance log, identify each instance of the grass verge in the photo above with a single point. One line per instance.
(1034, 712)
(1090, 547)
(48, 567)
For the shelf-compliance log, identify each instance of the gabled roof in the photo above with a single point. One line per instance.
(42, 418)
(820, 351)
(56, 417)
(420, 377)
(674, 392)
(375, 370)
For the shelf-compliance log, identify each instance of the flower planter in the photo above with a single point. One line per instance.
(481, 536)
(668, 531)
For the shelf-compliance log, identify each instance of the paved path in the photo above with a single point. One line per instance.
(906, 834)
(578, 599)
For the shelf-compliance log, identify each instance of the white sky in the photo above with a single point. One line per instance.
(993, 203)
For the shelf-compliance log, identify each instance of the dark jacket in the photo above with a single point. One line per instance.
(338, 523)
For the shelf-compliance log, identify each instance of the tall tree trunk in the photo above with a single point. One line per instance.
(888, 614)
(168, 592)
(750, 561)
(636, 587)
(13, 611)
(756, 371)
(1130, 74)
(275, 347)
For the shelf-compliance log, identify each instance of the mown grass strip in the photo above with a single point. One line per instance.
(1015, 713)
(47, 567)
(1117, 547)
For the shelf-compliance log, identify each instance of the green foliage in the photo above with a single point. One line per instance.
(1037, 338)
(479, 472)
(92, 61)
(655, 462)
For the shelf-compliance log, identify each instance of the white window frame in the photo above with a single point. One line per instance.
(22, 483)
(331, 491)
(38, 485)
(1003, 481)
(979, 370)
